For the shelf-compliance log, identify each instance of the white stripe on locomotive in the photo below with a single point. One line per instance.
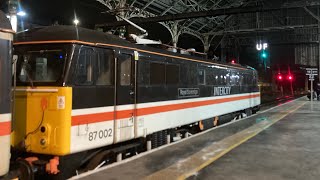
(147, 124)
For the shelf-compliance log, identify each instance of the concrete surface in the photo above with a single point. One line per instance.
(290, 149)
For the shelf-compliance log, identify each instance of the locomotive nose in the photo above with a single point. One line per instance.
(42, 124)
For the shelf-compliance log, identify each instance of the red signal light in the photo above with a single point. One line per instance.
(233, 61)
(279, 77)
(290, 77)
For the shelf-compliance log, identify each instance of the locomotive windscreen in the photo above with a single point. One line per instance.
(40, 65)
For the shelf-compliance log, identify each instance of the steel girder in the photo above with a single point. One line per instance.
(206, 28)
(196, 27)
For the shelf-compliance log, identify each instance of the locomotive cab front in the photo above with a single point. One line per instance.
(58, 85)
(42, 102)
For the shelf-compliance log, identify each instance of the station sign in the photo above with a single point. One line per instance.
(312, 71)
(311, 77)
(261, 46)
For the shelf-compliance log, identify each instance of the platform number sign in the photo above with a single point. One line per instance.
(311, 72)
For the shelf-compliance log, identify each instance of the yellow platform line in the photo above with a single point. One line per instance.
(193, 164)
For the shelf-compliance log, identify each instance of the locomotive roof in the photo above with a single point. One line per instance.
(4, 23)
(83, 35)
(54, 33)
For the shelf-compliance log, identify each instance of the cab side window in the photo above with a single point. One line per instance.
(125, 70)
(201, 77)
(104, 67)
(157, 74)
(84, 67)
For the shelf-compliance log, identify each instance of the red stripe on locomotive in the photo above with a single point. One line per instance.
(108, 116)
(5, 128)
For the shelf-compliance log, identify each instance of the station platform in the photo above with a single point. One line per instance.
(282, 142)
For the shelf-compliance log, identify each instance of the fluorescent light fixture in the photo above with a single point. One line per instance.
(21, 13)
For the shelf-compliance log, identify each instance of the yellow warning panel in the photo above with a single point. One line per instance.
(43, 120)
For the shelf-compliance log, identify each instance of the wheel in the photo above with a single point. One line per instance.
(26, 170)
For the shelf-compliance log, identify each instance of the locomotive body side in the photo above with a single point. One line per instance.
(178, 98)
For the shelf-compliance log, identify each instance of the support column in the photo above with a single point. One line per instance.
(206, 44)
(121, 4)
(237, 50)
(123, 29)
(319, 43)
(12, 7)
(175, 33)
(223, 50)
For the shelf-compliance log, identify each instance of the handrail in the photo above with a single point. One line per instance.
(37, 90)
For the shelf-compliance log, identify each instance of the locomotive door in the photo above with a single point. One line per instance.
(125, 98)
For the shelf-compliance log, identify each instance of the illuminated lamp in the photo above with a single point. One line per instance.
(279, 77)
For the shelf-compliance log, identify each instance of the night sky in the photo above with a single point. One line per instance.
(43, 12)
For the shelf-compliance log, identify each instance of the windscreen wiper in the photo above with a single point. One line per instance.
(27, 69)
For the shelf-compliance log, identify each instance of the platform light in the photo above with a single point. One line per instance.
(76, 21)
(21, 13)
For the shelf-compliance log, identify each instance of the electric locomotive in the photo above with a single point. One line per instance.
(83, 95)
(6, 37)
